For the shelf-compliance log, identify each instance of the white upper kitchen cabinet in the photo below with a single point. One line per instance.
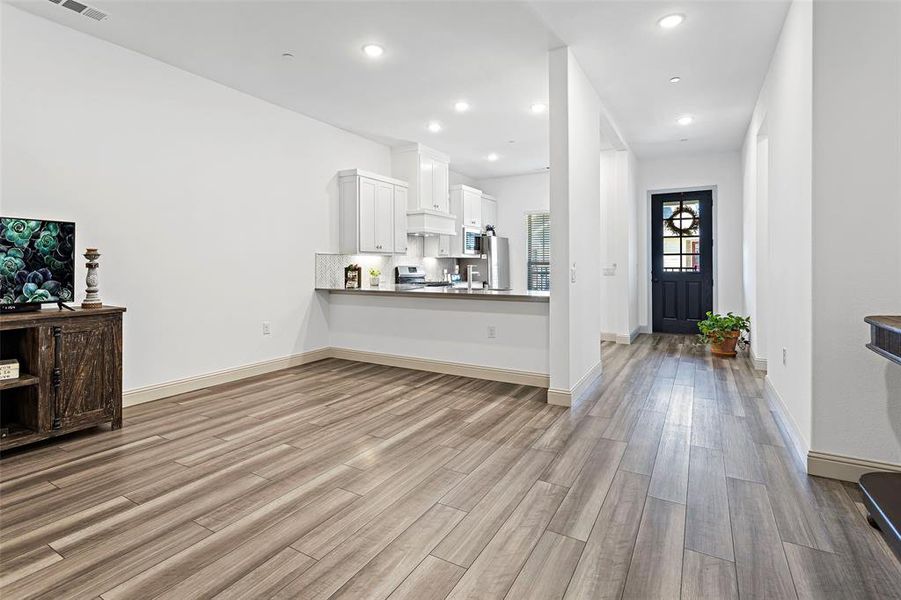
(427, 171)
(372, 213)
(489, 211)
(466, 203)
(437, 246)
(400, 219)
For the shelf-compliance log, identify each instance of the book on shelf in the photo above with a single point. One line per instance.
(9, 369)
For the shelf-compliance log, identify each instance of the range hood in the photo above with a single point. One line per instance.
(426, 221)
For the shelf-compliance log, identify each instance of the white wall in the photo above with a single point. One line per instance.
(452, 330)
(455, 178)
(517, 196)
(206, 203)
(783, 115)
(575, 149)
(722, 170)
(619, 245)
(856, 225)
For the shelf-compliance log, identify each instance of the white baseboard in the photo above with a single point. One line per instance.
(559, 397)
(563, 397)
(190, 384)
(799, 445)
(629, 338)
(846, 468)
(821, 464)
(446, 367)
(620, 338)
(759, 363)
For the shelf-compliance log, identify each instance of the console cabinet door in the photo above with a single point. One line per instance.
(89, 376)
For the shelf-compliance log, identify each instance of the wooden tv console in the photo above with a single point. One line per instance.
(70, 372)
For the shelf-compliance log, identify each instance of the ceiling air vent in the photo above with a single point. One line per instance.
(82, 9)
(73, 5)
(93, 13)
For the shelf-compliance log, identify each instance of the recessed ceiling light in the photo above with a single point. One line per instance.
(373, 50)
(670, 21)
(287, 55)
(685, 120)
(538, 108)
(492, 157)
(461, 106)
(434, 126)
(675, 79)
(684, 140)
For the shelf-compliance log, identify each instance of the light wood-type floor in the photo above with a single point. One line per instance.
(346, 480)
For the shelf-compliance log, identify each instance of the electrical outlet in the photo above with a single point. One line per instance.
(572, 273)
(492, 332)
(267, 327)
(784, 357)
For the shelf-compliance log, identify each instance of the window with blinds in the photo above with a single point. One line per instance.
(538, 234)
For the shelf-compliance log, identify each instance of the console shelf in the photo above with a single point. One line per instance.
(71, 373)
(20, 381)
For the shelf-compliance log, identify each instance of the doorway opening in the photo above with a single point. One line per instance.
(681, 260)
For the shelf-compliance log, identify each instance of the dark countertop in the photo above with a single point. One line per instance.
(445, 292)
(889, 322)
(885, 336)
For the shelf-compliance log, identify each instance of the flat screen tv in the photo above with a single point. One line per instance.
(37, 262)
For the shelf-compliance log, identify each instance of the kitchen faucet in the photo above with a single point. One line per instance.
(469, 274)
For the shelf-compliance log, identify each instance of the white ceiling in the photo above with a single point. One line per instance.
(493, 54)
(721, 51)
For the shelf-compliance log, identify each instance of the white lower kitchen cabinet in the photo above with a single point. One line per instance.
(372, 213)
(437, 246)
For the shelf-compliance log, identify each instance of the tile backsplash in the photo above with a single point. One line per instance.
(330, 267)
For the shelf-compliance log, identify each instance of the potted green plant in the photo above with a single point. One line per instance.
(723, 332)
(374, 275)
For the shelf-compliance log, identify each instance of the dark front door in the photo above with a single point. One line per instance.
(682, 260)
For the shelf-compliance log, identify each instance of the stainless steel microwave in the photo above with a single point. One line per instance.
(471, 245)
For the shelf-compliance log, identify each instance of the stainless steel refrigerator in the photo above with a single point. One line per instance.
(496, 253)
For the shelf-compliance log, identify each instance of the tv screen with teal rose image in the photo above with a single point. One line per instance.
(37, 261)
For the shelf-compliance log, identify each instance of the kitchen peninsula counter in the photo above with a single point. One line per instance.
(488, 334)
(389, 290)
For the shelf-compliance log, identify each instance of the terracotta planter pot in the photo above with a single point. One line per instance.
(727, 346)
